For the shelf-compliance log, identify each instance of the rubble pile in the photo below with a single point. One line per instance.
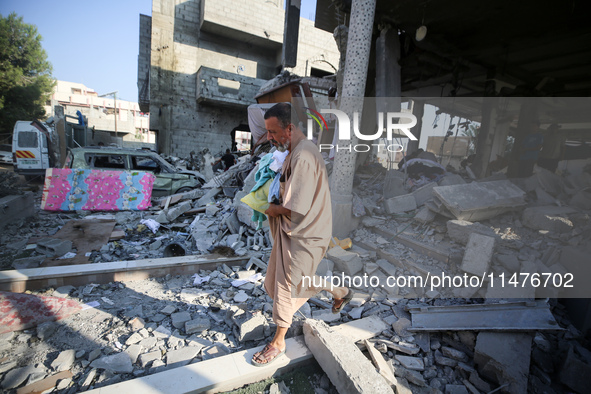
(441, 225)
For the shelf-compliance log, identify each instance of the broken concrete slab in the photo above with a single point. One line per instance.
(423, 194)
(342, 361)
(15, 377)
(549, 218)
(400, 204)
(325, 315)
(480, 200)
(460, 230)
(424, 215)
(345, 261)
(380, 364)
(116, 363)
(252, 328)
(504, 358)
(64, 360)
(478, 254)
(183, 356)
(412, 363)
(197, 326)
(208, 197)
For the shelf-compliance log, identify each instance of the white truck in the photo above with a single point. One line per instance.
(31, 147)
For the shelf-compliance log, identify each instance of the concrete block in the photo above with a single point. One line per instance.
(197, 326)
(550, 218)
(348, 369)
(180, 318)
(478, 255)
(400, 204)
(424, 193)
(177, 211)
(347, 262)
(64, 360)
(116, 363)
(460, 230)
(394, 184)
(424, 215)
(455, 389)
(252, 328)
(504, 358)
(412, 363)
(480, 200)
(147, 358)
(53, 247)
(182, 356)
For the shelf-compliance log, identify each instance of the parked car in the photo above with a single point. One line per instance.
(6, 154)
(169, 180)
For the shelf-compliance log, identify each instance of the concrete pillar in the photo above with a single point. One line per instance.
(485, 136)
(527, 114)
(354, 80)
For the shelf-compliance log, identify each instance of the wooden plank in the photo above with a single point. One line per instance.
(86, 236)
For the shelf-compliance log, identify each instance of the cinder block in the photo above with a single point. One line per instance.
(344, 261)
(53, 247)
(478, 255)
(401, 204)
(348, 369)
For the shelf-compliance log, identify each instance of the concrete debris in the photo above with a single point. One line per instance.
(460, 230)
(342, 361)
(116, 363)
(479, 254)
(345, 261)
(548, 218)
(504, 358)
(480, 200)
(400, 204)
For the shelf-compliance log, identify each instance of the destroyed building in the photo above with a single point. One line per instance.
(202, 62)
(171, 300)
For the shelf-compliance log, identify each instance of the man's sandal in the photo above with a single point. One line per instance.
(269, 354)
(339, 303)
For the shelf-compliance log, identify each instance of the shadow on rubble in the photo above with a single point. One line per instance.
(123, 338)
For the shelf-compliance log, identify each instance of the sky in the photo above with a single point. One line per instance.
(95, 43)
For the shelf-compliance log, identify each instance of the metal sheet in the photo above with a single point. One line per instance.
(517, 316)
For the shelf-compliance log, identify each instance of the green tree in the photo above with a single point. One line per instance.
(25, 73)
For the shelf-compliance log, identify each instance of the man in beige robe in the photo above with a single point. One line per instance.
(301, 226)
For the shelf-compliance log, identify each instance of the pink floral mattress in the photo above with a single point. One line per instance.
(72, 189)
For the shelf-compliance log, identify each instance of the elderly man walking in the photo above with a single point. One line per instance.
(301, 226)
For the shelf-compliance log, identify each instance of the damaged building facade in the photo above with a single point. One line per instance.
(202, 62)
